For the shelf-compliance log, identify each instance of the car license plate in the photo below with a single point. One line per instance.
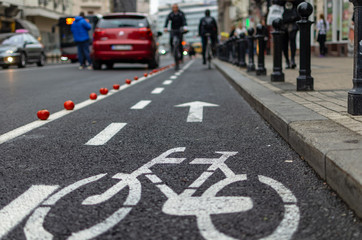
(121, 47)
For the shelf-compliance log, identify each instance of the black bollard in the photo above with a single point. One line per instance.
(277, 75)
(261, 70)
(305, 81)
(242, 50)
(230, 50)
(251, 65)
(355, 94)
(235, 51)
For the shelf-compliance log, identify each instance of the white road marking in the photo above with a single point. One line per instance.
(54, 198)
(54, 116)
(157, 90)
(286, 195)
(183, 204)
(167, 82)
(104, 136)
(196, 110)
(37, 68)
(153, 178)
(173, 77)
(141, 104)
(12, 214)
(34, 228)
(290, 222)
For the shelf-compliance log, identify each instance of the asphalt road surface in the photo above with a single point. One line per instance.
(178, 155)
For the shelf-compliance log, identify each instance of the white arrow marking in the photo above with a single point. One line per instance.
(196, 110)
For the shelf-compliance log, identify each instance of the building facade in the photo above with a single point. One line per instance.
(143, 6)
(91, 7)
(193, 11)
(123, 5)
(230, 13)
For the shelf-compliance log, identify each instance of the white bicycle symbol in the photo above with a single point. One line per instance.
(184, 204)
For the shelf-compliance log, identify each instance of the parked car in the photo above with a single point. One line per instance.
(20, 48)
(125, 38)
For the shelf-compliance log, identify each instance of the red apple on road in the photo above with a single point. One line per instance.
(43, 114)
(116, 86)
(69, 105)
(135, 78)
(103, 91)
(93, 96)
(145, 74)
(128, 81)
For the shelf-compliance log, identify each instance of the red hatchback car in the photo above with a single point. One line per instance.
(125, 38)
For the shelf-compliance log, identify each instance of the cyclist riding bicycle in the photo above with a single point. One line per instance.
(178, 21)
(207, 27)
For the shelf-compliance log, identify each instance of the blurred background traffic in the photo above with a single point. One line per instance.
(48, 22)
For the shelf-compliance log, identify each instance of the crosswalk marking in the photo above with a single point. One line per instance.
(157, 90)
(141, 104)
(104, 136)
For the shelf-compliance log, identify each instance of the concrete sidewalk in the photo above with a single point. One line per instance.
(316, 124)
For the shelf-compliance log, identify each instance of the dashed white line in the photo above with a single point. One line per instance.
(54, 116)
(173, 77)
(104, 136)
(167, 82)
(18, 209)
(141, 104)
(157, 90)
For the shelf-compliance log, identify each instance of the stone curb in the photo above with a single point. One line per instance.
(334, 151)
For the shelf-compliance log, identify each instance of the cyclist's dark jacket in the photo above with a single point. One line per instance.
(178, 20)
(207, 25)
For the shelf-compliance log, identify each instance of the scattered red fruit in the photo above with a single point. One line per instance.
(116, 86)
(145, 74)
(135, 78)
(128, 81)
(43, 114)
(69, 105)
(103, 91)
(93, 96)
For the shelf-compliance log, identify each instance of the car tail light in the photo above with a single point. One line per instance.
(145, 32)
(98, 33)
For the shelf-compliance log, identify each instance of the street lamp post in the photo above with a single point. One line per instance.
(355, 94)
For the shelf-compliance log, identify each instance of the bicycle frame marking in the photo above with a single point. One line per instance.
(183, 204)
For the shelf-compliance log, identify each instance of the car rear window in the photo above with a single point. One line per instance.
(123, 22)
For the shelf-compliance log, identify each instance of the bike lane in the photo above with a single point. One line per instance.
(199, 163)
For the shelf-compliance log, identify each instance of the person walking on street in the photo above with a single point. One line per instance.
(80, 28)
(178, 21)
(290, 17)
(322, 27)
(207, 26)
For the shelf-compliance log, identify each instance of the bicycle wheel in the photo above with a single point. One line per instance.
(176, 53)
(209, 56)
